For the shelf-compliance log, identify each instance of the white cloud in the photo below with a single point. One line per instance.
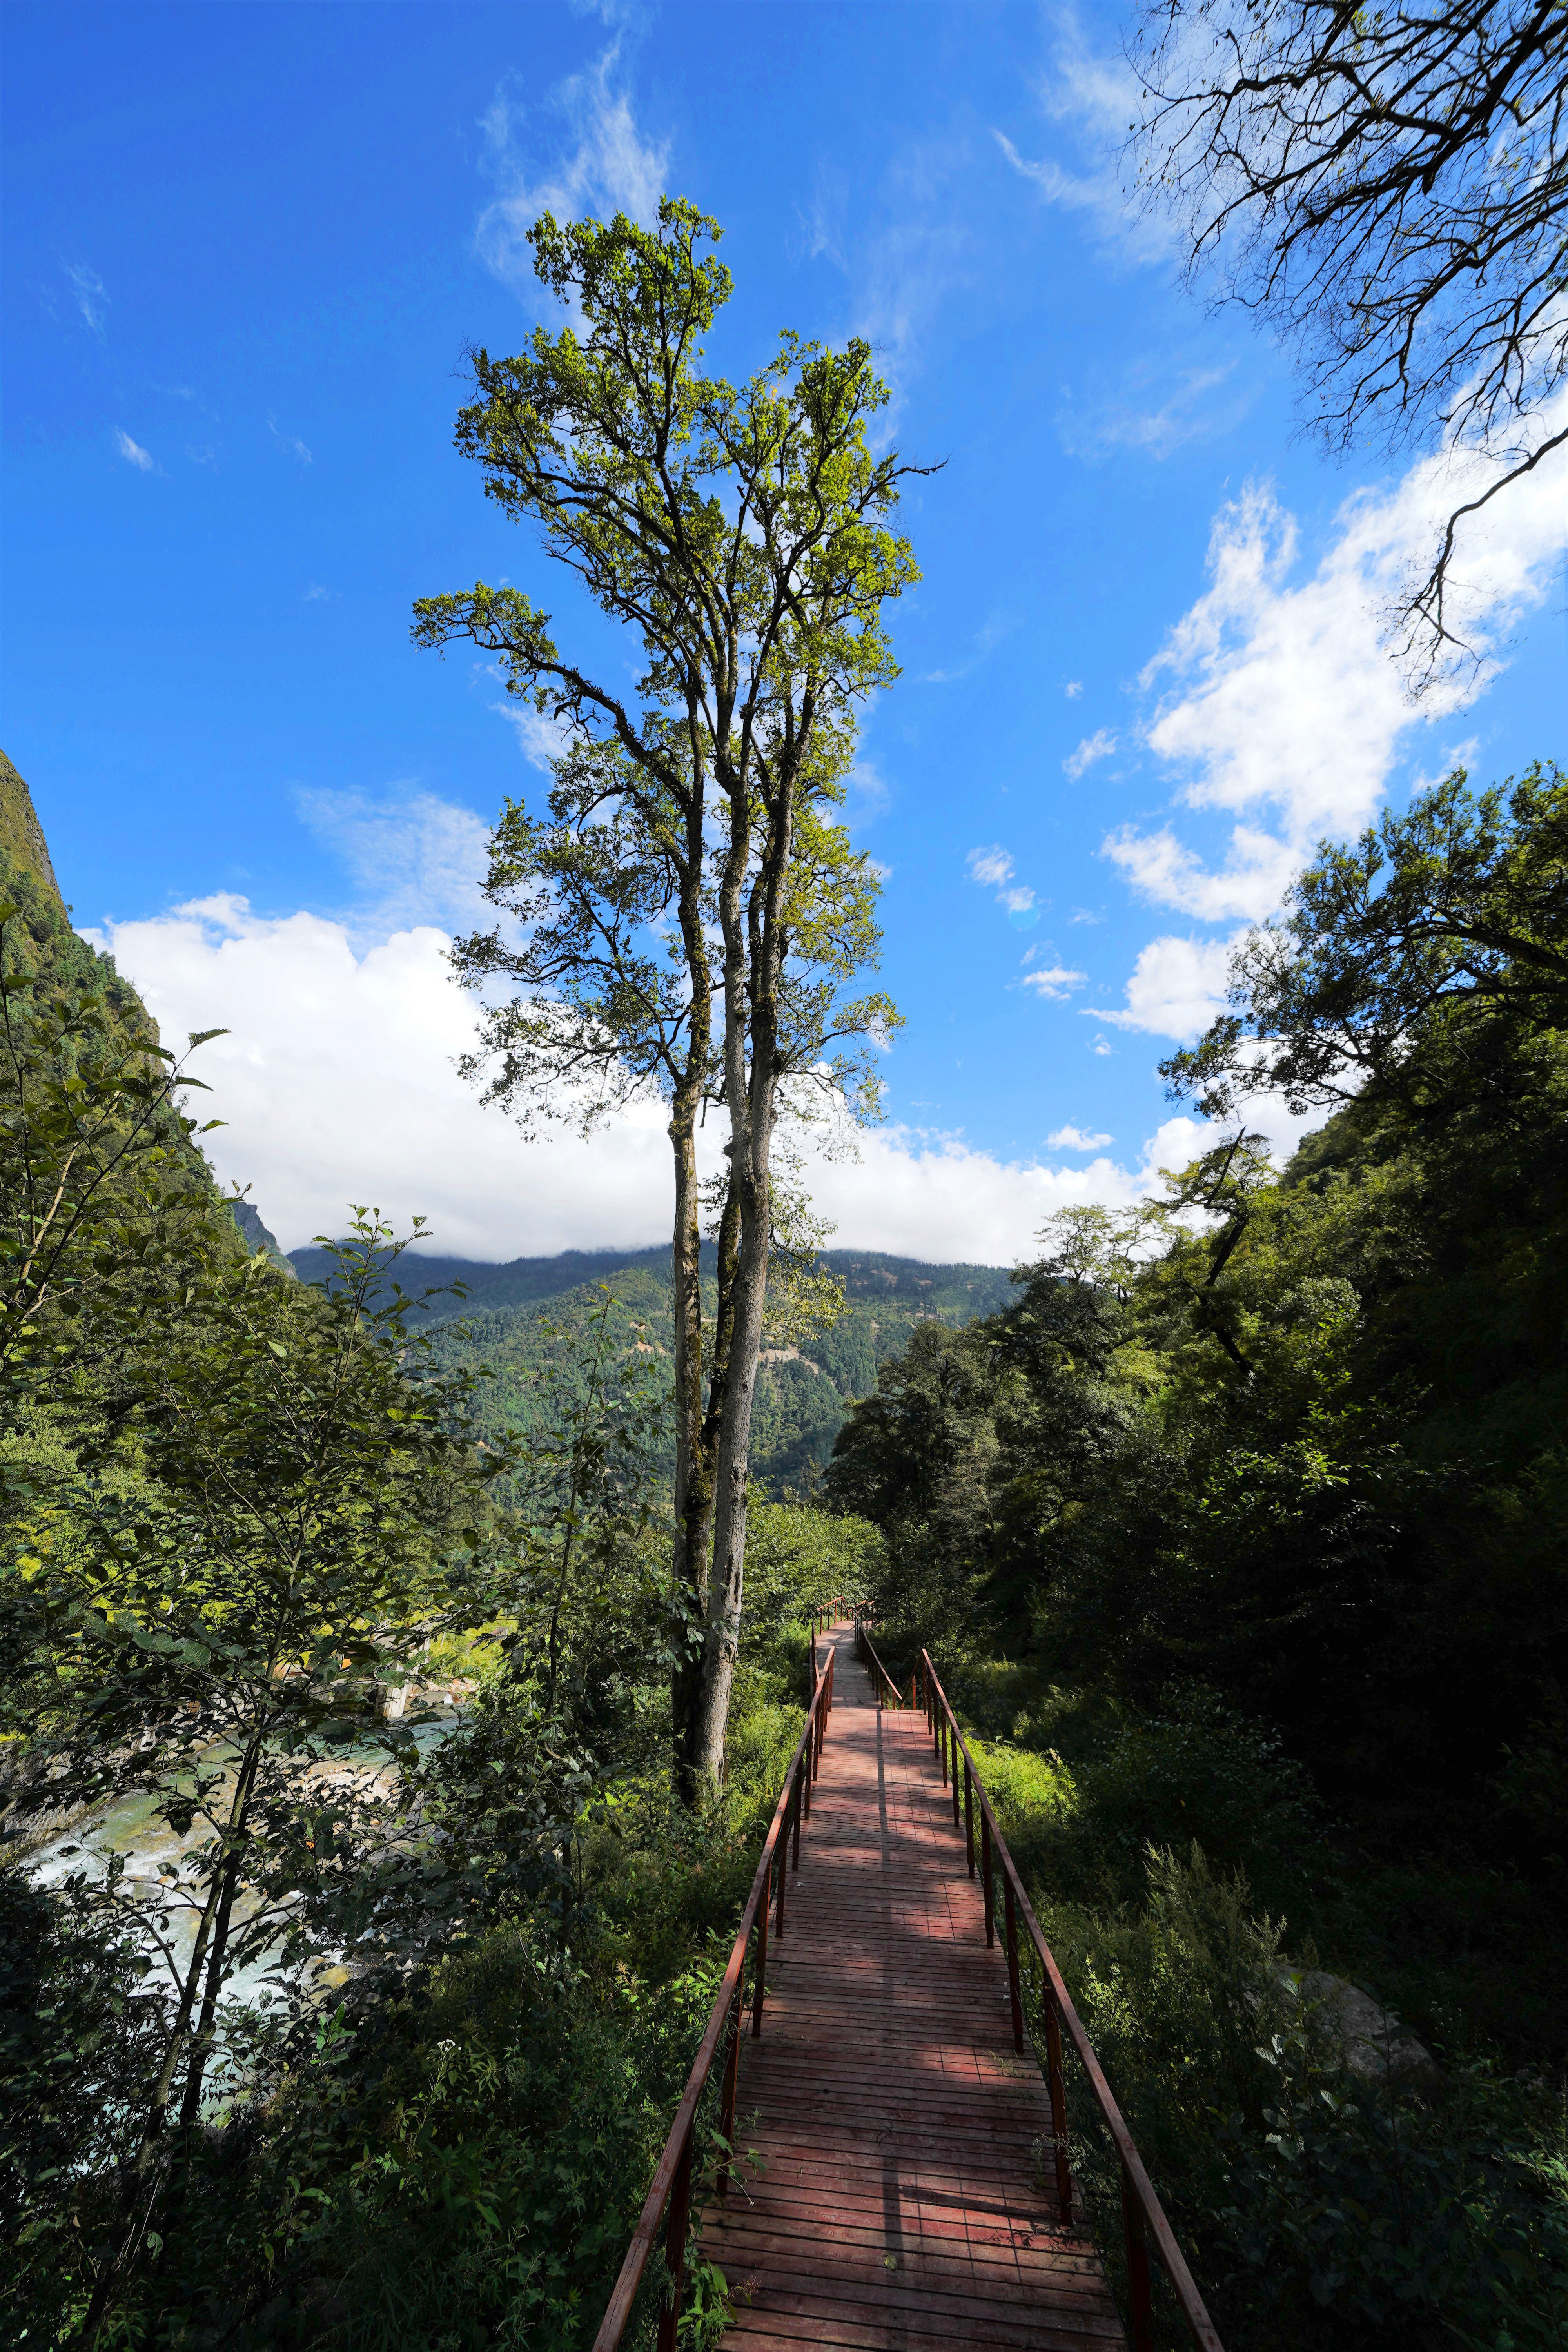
(320, 595)
(1074, 1138)
(1097, 746)
(936, 1197)
(201, 454)
(608, 165)
(990, 867)
(1057, 982)
(337, 1085)
(133, 453)
(288, 442)
(1255, 877)
(1073, 689)
(1176, 988)
(1284, 706)
(91, 298)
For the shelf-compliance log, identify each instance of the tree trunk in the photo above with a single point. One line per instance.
(693, 1460)
(727, 1584)
(143, 2190)
(751, 937)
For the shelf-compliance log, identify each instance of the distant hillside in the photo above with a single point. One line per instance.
(523, 1317)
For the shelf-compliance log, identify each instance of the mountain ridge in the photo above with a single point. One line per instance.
(523, 1319)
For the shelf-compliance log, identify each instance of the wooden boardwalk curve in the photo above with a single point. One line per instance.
(906, 2148)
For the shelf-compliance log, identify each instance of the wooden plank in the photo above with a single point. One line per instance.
(903, 2143)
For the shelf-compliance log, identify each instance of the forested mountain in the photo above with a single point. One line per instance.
(524, 1319)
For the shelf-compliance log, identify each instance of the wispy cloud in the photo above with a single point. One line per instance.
(1097, 746)
(91, 296)
(288, 442)
(603, 163)
(1075, 1138)
(540, 739)
(1087, 97)
(1073, 689)
(133, 453)
(412, 858)
(867, 794)
(1095, 421)
(984, 641)
(1054, 982)
(201, 454)
(319, 596)
(905, 241)
(991, 868)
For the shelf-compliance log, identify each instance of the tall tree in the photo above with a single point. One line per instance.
(691, 911)
(1389, 188)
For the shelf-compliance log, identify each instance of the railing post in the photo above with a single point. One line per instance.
(760, 1993)
(986, 1886)
(953, 1738)
(941, 1744)
(969, 1815)
(799, 1783)
(1058, 2104)
(782, 1858)
(1139, 2301)
(674, 2242)
(1010, 1911)
(732, 2077)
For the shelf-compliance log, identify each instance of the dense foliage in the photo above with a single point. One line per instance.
(1247, 1522)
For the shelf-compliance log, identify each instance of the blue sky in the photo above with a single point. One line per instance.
(244, 247)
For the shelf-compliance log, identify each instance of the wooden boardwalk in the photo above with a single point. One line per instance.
(905, 2148)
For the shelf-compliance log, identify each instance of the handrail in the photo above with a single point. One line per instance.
(828, 1613)
(672, 2174)
(865, 1651)
(1141, 2209)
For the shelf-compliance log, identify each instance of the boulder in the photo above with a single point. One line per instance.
(1370, 2039)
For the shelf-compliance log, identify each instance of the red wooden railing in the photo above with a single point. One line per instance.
(831, 1612)
(1142, 2216)
(882, 1683)
(671, 2182)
